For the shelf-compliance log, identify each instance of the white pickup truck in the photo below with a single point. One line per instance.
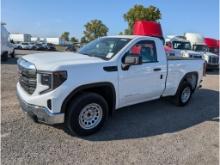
(6, 47)
(82, 89)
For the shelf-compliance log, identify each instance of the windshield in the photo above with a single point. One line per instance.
(104, 48)
(199, 48)
(181, 45)
(214, 50)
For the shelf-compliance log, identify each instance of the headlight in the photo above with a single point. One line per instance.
(52, 80)
(184, 54)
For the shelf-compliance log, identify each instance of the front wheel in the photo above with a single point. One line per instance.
(86, 114)
(4, 56)
(13, 54)
(183, 94)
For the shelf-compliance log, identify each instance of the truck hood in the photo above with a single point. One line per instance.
(55, 60)
(210, 54)
(189, 52)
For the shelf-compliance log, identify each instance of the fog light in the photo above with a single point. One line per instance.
(49, 104)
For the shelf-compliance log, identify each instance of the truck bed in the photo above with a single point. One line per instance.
(177, 68)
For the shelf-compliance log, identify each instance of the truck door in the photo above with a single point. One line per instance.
(145, 81)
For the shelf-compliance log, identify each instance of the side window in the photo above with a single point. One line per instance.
(169, 44)
(145, 49)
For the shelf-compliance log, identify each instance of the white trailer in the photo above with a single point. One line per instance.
(57, 41)
(20, 37)
(35, 39)
(53, 40)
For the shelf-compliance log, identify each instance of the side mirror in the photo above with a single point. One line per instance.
(131, 60)
(168, 44)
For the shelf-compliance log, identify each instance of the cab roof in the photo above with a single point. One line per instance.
(128, 36)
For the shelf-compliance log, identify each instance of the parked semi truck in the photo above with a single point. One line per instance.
(199, 45)
(181, 47)
(213, 45)
(152, 29)
(82, 89)
(6, 47)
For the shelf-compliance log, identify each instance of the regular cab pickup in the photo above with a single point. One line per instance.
(82, 89)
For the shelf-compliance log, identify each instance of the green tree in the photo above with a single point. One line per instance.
(83, 40)
(74, 39)
(94, 29)
(138, 13)
(65, 36)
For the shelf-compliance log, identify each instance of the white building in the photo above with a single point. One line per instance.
(35, 39)
(19, 37)
(57, 41)
(42, 39)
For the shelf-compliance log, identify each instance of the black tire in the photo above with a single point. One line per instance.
(72, 117)
(32, 118)
(178, 99)
(4, 56)
(13, 54)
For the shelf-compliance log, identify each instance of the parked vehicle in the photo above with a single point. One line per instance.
(24, 45)
(51, 47)
(82, 89)
(6, 47)
(71, 48)
(16, 44)
(212, 44)
(39, 46)
(44, 45)
(148, 28)
(181, 47)
(11, 50)
(198, 45)
(32, 45)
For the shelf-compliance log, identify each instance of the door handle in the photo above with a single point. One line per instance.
(157, 69)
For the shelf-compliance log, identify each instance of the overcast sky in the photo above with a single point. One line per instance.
(49, 18)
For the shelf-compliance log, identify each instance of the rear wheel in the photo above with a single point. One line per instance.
(86, 114)
(4, 56)
(183, 94)
(13, 54)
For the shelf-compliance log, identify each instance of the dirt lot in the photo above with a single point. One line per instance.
(150, 133)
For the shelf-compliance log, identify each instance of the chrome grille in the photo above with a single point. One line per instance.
(27, 76)
(213, 60)
(194, 56)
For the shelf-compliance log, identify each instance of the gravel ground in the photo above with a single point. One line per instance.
(153, 133)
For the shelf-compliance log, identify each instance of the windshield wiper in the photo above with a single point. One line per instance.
(90, 55)
(104, 58)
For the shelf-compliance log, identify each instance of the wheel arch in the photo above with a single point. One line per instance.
(192, 78)
(105, 89)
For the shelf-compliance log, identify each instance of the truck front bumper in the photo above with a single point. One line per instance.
(41, 113)
(212, 66)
